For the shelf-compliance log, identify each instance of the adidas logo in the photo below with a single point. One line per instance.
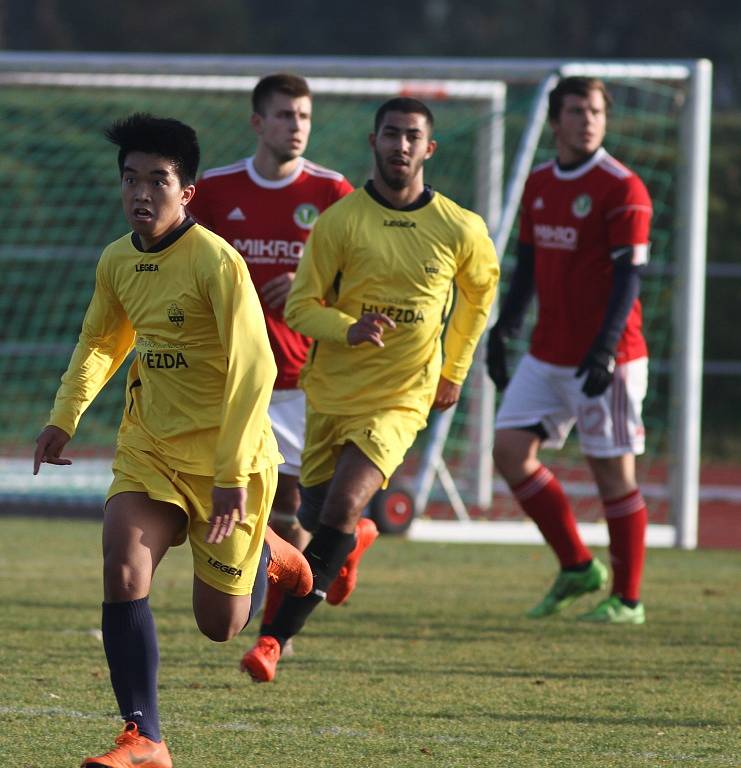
(538, 205)
(236, 215)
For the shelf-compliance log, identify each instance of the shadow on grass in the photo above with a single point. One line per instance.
(538, 718)
(479, 670)
(21, 602)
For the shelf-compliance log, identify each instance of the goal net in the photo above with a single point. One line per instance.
(62, 207)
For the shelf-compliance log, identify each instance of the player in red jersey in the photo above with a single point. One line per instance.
(265, 207)
(584, 230)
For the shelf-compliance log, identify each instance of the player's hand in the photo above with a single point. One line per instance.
(496, 358)
(49, 446)
(275, 292)
(227, 509)
(599, 366)
(369, 328)
(447, 394)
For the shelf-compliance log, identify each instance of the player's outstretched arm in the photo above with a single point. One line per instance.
(106, 338)
(49, 446)
(227, 509)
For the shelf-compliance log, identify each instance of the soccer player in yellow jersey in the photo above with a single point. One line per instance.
(195, 454)
(374, 289)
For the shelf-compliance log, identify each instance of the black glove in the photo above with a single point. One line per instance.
(599, 365)
(496, 357)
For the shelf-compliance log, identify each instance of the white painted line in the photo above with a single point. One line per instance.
(519, 532)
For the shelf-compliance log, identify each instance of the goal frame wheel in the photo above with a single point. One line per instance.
(392, 509)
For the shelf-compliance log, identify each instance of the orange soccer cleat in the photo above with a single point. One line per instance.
(132, 751)
(261, 661)
(341, 588)
(288, 568)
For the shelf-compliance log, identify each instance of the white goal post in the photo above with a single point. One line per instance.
(483, 81)
(688, 316)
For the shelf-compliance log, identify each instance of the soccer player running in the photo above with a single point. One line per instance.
(583, 241)
(373, 289)
(265, 206)
(195, 455)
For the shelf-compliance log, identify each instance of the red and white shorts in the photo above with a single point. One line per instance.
(608, 425)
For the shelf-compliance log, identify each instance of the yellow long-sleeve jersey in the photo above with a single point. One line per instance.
(365, 257)
(199, 386)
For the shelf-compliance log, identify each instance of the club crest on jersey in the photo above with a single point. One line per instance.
(305, 215)
(582, 206)
(431, 268)
(176, 314)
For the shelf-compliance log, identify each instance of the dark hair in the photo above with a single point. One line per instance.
(574, 86)
(406, 105)
(290, 85)
(162, 136)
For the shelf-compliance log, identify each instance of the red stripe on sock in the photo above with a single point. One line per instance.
(533, 484)
(542, 498)
(625, 505)
(627, 518)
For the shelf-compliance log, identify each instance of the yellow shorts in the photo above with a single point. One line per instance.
(230, 566)
(383, 436)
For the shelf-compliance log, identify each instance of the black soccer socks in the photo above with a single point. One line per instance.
(130, 642)
(326, 554)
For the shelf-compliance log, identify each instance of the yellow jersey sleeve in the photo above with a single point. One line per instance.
(476, 283)
(250, 374)
(105, 340)
(320, 266)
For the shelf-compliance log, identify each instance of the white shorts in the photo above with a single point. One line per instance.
(608, 425)
(287, 411)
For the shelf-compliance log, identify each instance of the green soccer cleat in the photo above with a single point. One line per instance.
(614, 611)
(567, 587)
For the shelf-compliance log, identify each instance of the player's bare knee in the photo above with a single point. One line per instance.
(215, 633)
(516, 453)
(221, 634)
(122, 582)
(615, 476)
(343, 510)
(219, 630)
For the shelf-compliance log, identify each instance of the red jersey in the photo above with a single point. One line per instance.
(574, 219)
(268, 222)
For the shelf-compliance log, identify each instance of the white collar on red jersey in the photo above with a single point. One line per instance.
(261, 181)
(576, 173)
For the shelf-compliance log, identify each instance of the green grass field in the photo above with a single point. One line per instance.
(431, 664)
